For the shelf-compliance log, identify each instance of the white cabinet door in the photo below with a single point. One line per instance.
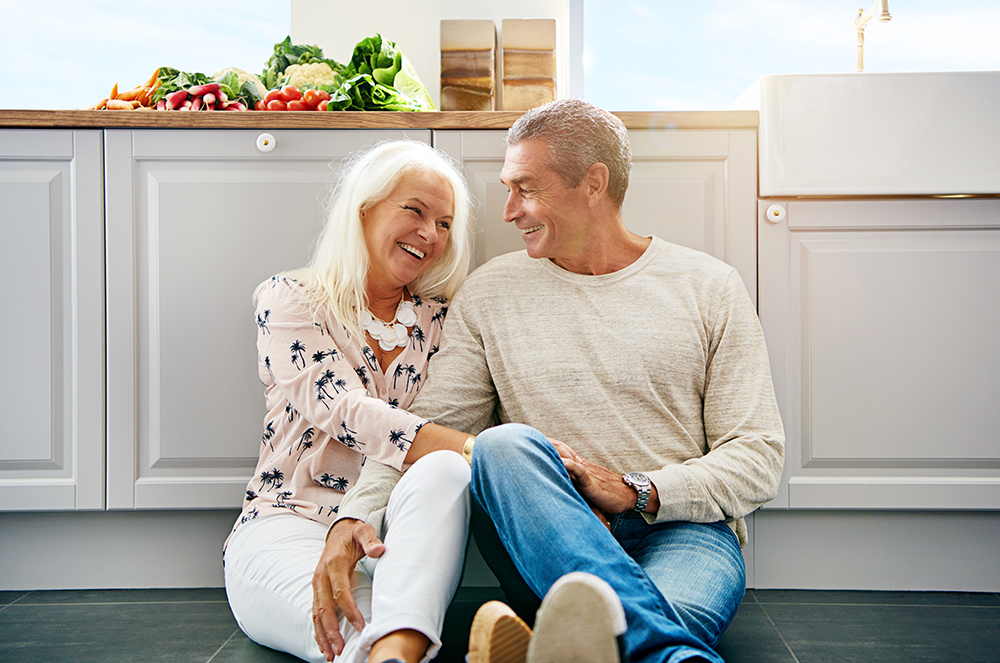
(694, 188)
(51, 320)
(195, 220)
(881, 319)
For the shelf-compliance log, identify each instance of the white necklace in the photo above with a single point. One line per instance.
(392, 334)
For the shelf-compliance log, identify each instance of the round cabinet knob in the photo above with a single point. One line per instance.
(776, 213)
(265, 142)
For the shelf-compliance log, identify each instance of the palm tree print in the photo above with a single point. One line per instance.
(290, 412)
(318, 357)
(416, 382)
(440, 299)
(305, 438)
(267, 364)
(321, 393)
(341, 484)
(251, 496)
(410, 372)
(322, 330)
(305, 444)
(348, 439)
(417, 301)
(326, 479)
(262, 321)
(393, 402)
(341, 383)
(298, 354)
(396, 437)
(370, 357)
(439, 316)
(333, 354)
(417, 336)
(250, 515)
(268, 435)
(362, 375)
(274, 479)
(396, 373)
(433, 352)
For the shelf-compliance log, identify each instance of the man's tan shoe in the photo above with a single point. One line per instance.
(498, 635)
(581, 620)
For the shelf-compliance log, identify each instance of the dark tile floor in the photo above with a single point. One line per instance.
(772, 626)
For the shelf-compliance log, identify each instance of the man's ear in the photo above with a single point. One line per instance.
(596, 182)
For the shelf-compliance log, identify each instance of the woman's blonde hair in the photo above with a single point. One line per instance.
(334, 281)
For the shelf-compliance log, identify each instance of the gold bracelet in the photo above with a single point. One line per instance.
(467, 449)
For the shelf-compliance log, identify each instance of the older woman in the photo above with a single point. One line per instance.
(343, 345)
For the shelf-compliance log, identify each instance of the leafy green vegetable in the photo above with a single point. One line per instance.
(286, 54)
(380, 78)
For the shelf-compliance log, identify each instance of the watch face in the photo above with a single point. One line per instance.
(636, 479)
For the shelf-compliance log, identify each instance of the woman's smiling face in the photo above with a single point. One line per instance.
(407, 231)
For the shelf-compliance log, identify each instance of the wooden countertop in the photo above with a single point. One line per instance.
(147, 119)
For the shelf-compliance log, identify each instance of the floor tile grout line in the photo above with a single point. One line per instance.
(778, 631)
(78, 603)
(884, 605)
(223, 645)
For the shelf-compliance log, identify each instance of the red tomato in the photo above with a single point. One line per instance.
(276, 104)
(314, 97)
(323, 104)
(260, 105)
(272, 95)
(290, 93)
(298, 105)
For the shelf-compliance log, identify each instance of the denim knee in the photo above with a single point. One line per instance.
(504, 445)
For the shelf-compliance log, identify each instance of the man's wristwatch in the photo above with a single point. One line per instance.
(641, 484)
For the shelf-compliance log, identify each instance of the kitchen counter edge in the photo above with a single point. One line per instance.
(84, 119)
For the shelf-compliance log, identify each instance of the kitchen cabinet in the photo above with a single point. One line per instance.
(696, 188)
(136, 240)
(195, 220)
(51, 320)
(880, 318)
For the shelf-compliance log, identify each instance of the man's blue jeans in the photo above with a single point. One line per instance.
(680, 583)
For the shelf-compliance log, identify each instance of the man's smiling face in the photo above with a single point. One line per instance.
(551, 216)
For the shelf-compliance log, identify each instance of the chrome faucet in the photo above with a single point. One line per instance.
(882, 9)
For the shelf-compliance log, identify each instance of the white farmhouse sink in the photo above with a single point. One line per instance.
(878, 134)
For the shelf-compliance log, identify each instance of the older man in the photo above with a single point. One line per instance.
(637, 374)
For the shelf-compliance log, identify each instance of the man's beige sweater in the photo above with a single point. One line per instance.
(660, 368)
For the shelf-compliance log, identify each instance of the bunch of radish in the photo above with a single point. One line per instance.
(199, 97)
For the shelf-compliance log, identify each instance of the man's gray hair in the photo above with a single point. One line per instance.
(579, 135)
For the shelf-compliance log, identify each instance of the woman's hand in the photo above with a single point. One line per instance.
(601, 487)
(346, 543)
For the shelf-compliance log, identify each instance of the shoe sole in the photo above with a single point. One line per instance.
(498, 635)
(579, 622)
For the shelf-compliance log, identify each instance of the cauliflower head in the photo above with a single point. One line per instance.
(309, 74)
(243, 77)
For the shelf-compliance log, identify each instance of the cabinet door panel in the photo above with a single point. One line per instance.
(884, 363)
(210, 217)
(51, 325)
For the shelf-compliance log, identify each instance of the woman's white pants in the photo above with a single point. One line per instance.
(269, 565)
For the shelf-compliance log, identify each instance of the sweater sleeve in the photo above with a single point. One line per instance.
(368, 498)
(325, 383)
(459, 392)
(743, 429)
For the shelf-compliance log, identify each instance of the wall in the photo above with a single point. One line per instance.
(416, 28)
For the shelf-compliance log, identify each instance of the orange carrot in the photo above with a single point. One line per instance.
(114, 92)
(118, 104)
(129, 95)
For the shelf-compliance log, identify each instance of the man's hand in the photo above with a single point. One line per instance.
(346, 543)
(601, 487)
